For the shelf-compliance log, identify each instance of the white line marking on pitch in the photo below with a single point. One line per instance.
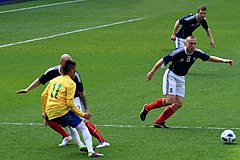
(71, 32)
(41, 6)
(122, 126)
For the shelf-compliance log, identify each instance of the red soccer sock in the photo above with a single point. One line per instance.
(168, 112)
(156, 104)
(55, 126)
(93, 130)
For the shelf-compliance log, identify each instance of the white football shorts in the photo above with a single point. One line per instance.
(179, 42)
(79, 104)
(173, 84)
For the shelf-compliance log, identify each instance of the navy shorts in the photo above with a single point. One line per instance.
(69, 119)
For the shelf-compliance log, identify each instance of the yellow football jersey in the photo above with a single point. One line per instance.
(58, 97)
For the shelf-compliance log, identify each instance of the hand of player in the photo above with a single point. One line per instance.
(149, 76)
(173, 37)
(45, 120)
(229, 61)
(22, 91)
(212, 43)
(86, 110)
(87, 115)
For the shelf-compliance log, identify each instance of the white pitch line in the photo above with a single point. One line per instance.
(122, 126)
(176, 127)
(41, 6)
(71, 32)
(21, 124)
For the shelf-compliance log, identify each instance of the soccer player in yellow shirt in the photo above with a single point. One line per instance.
(58, 105)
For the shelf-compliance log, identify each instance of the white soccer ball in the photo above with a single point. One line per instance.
(228, 136)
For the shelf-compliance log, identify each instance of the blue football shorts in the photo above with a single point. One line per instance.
(69, 119)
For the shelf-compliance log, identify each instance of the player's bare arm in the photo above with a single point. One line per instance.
(218, 59)
(154, 69)
(84, 100)
(44, 103)
(175, 29)
(209, 33)
(34, 84)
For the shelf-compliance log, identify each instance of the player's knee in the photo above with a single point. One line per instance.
(170, 101)
(177, 105)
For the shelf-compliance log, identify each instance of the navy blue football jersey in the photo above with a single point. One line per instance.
(181, 61)
(55, 71)
(189, 24)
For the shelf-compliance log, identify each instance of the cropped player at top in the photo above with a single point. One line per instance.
(189, 24)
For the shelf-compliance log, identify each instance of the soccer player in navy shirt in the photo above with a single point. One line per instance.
(174, 79)
(188, 25)
(79, 100)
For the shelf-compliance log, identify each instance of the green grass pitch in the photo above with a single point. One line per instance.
(113, 62)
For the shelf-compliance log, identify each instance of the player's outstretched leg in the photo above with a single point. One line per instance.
(156, 104)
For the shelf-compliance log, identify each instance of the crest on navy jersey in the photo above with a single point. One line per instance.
(197, 24)
(181, 60)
